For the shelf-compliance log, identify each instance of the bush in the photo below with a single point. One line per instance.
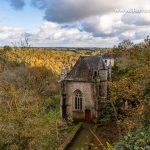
(136, 140)
(7, 48)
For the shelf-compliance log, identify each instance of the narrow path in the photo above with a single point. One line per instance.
(83, 139)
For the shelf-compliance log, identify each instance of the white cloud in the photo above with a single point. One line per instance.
(48, 34)
(75, 10)
(54, 34)
(136, 19)
(83, 22)
(101, 24)
(8, 34)
(7, 29)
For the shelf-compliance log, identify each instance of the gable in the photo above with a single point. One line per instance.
(84, 67)
(80, 71)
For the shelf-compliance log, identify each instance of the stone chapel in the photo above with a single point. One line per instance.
(84, 88)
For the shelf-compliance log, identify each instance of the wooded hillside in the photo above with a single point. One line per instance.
(29, 96)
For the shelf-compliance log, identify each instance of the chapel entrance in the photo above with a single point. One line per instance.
(88, 115)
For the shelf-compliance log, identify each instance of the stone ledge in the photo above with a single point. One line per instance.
(71, 136)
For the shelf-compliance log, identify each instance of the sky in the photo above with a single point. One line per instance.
(73, 23)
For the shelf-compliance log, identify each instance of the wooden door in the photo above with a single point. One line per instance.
(87, 115)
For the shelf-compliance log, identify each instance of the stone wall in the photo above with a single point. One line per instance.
(88, 103)
(109, 61)
(93, 93)
(103, 75)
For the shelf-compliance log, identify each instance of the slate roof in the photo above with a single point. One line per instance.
(84, 67)
(95, 62)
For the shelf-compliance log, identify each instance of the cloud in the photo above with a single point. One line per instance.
(55, 34)
(17, 4)
(74, 10)
(48, 34)
(127, 35)
(141, 34)
(63, 11)
(106, 26)
(82, 22)
(6, 29)
(9, 34)
(136, 19)
(98, 26)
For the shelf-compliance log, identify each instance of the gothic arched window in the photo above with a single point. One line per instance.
(78, 100)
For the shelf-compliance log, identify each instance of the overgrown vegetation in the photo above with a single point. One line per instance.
(131, 95)
(29, 98)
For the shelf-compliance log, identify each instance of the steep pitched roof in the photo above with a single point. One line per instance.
(83, 69)
(95, 62)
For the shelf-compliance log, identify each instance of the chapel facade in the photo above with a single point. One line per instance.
(84, 88)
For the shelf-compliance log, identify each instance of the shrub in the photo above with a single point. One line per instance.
(136, 140)
(7, 48)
